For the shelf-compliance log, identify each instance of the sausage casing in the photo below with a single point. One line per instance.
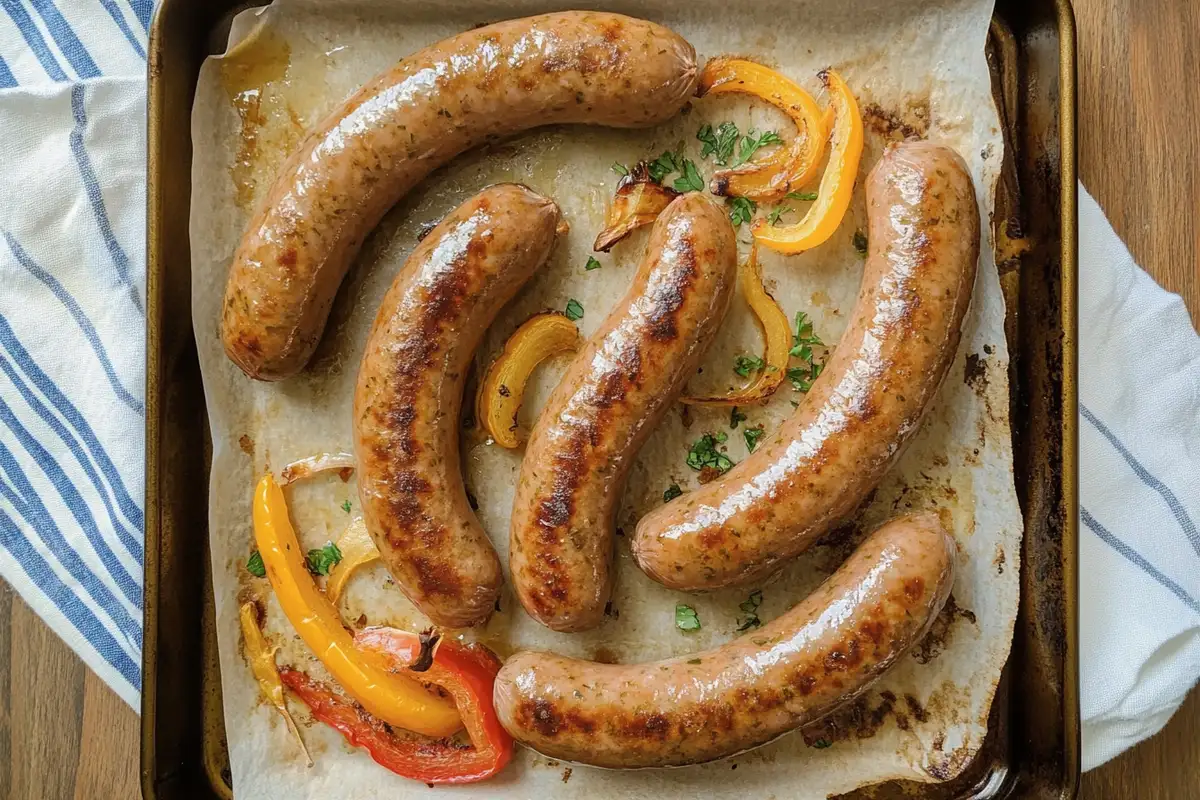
(868, 402)
(409, 395)
(616, 389)
(826, 650)
(486, 83)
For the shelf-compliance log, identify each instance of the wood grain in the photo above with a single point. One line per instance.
(66, 736)
(1139, 96)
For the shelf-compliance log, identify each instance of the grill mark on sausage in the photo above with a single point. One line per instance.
(862, 650)
(667, 298)
(436, 577)
(409, 526)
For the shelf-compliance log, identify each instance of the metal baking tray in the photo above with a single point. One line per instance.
(1032, 750)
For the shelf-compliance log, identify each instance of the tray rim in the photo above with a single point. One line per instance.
(1067, 425)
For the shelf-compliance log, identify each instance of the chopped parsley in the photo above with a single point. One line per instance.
(802, 378)
(322, 559)
(704, 453)
(346, 506)
(592, 264)
(741, 210)
(574, 310)
(806, 196)
(821, 744)
(719, 144)
(672, 492)
(751, 143)
(620, 169)
(664, 165)
(670, 162)
(255, 566)
(744, 365)
(860, 242)
(686, 618)
(752, 435)
(691, 180)
(803, 341)
(777, 212)
(735, 417)
(750, 611)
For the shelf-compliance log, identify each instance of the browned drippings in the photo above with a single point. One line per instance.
(940, 633)
(253, 75)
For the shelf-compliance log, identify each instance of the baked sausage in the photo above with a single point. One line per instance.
(828, 649)
(409, 395)
(868, 402)
(607, 403)
(479, 86)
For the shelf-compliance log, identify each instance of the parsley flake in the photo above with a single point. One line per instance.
(751, 144)
(255, 566)
(806, 196)
(663, 166)
(752, 435)
(803, 341)
(704, 453)
(672, 492)
(821, 744)
(741, 210)
(719, 144)
(592, 264)
(619, 168)
(777, 212)
(750, 611)
(804, 334)
(686, 618)
(801, 378)
(322, 559)
(735, 417)
(744, 365)
(691, 180)
(346, 506)
(574, 310)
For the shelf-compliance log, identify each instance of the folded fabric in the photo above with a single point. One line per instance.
(1139, 455)
(72, 322)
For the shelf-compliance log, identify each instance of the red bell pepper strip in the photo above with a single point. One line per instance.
(466, 672)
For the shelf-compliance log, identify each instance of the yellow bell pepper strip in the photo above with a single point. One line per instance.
(262, 662)
(638, 201)
(503, 389)
(788, 168)
(837, 184)
(467, 672)
(358, 550)
(307, 467)
(776, 332)
(395, 699)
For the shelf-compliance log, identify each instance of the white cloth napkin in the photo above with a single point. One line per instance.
(72, 115)
(1139, 455)
(72, 322)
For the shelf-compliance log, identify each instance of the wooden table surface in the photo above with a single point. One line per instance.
(64, 734)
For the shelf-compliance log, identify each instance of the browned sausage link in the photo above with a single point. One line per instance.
(687, 710)
(824, 461)
(616, 389)
(409, 394)
(487, 83)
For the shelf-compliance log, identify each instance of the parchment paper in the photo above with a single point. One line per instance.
(918, 69)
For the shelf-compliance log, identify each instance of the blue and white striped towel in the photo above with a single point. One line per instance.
(72, 112)
(72, 320)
